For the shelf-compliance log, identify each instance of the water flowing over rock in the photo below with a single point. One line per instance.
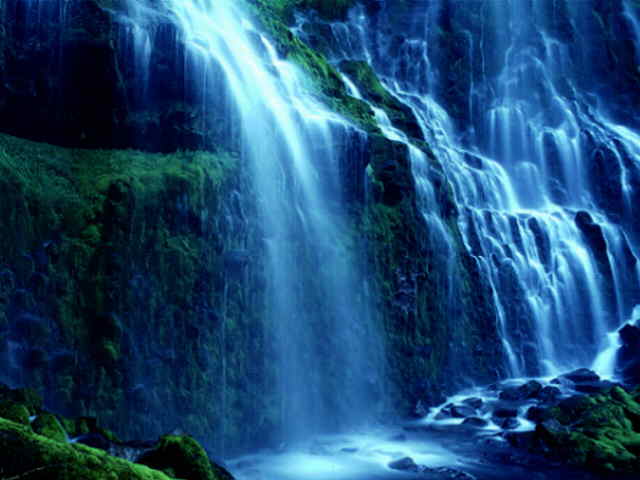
(338, 213)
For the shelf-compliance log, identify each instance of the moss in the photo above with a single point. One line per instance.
(601, 432)
(15, 412)
(324, 81)
(23, 453)
(48, 425)
(182, 457)
(24, 396)
(400, 115)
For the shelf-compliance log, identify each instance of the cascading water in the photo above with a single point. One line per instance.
(524, 152)
(326, 348)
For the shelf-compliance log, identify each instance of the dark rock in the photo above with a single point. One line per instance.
(505, 412)
(475, 422)
(510, 424)
(536, 414)
(462, 411)
(400, 437)
(95, 440)
(582, 375)
(349, 450)
(549, 394)
(474, 402)
(529, 390)
(185, 457)
(629, 354)
(404, 464)
(420, 410)
(446, 473)
(594, 387)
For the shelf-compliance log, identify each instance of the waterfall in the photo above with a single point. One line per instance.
(325, 347)
(526, 132)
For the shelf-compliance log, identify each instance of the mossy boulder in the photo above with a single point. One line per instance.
(28, 455)
(182, 457)
(600, 433)
(48, 426)
(15, 412)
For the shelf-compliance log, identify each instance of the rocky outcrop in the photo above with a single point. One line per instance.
(430, 342)
(628, 357)
(121, 288)
(599, 433)
(39, 447)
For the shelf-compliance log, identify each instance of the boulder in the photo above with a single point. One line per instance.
(529, 390)
(405, 464)
(594, 387)
(505, 413)
(475, 422)
(510, 423)
(629, 354)
(473, 402)
(184, 457)
(549, 394)
(582, 375)
(462, 411)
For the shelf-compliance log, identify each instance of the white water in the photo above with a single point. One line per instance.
(520, 176)
(326, 348)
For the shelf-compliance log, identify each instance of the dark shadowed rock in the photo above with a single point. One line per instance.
(629, 354)
(475, 422)
(510, 424)
(549, 394)
(474, 402)
(529, 390)
(582, 375)
(594, 387)
(536, 414)
(505, 412)
(405, 464)
(462, 411)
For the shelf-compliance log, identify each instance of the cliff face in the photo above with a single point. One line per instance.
(132, 284)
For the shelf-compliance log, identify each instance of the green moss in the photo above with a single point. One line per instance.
(182, 457)
(25, 454)
(324, 81)
(48, 425)
(601, 433)
(15, 412)
(400, 115)
(24, 396)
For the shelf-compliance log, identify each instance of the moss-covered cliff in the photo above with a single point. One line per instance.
(133, 282)
(126, 286)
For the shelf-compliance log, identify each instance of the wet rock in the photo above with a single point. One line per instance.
(551, 426)
(629, 354)
(400, 437)
(510, 423)
(505, 413)
(421, 410)
(549, 394)
(529, 390)
(594, 387)
(405, 464)
(582, 375)
(95, 440)
(462, 411)
(349, 450)
(474, 402)
(475, 422)
(185, 457)
(536, 414)
(445, 473)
